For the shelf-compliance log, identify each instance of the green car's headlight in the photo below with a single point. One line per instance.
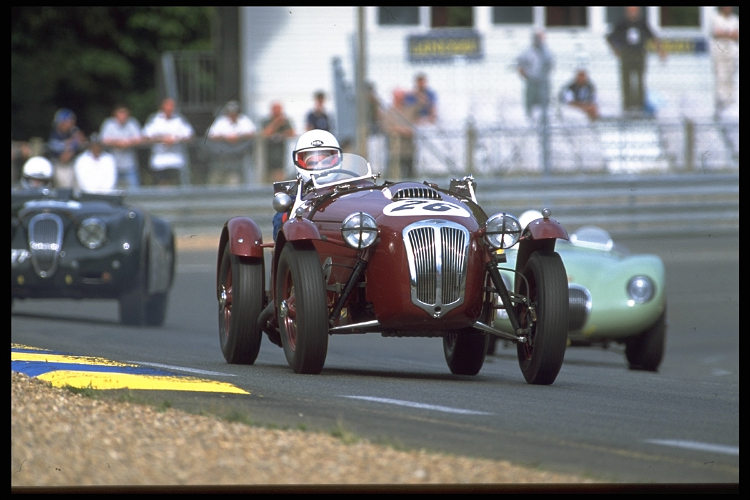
(359, 230)
(641, 289)
(502, 230)
(92, 233)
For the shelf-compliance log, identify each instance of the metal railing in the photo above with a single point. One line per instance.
(623, 204)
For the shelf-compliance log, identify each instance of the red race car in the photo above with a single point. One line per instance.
(397, 258)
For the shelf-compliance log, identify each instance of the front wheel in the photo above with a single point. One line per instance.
(465, 351)
(646, 350)
(302, 309)
(241, 287)
(541, 357)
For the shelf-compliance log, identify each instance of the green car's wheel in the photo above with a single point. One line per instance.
(542, 356)
(646, 350)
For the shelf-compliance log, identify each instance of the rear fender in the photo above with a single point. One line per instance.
(540, 234)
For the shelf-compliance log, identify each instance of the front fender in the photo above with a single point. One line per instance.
(297, 228)
(540, 234)
(245, 237)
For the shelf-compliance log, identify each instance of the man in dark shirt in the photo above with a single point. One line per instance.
(318, 117)
(628, 40)
(580, 93)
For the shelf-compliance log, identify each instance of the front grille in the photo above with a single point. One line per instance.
(579, 299)
(45, 242)
(437, 252)
(417, 192)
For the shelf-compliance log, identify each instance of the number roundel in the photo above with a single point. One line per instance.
(424, 208)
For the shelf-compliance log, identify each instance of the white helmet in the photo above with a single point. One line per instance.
(528, 216)
(37, 172)
(316, 151)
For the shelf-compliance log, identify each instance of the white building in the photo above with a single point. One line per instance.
(288, 52)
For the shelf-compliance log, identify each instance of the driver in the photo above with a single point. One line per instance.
(37, 173)
(316, 151)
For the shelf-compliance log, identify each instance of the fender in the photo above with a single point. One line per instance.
(297, 229)
(540, 234)
(245, 237)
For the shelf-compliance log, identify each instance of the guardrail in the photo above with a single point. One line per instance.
(625, 205)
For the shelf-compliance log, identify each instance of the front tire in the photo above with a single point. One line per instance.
(465, 351)
(302, 309)
(134, 303)
(646, 350)
(542, 356)
(241, 292)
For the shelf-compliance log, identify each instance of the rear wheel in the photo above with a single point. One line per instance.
(241, 287)
(302, 309)
(542, 356)
(645, 351)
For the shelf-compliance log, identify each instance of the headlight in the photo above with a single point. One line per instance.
(502, 230)
(359, 230)
(92, 233)
(641, 289)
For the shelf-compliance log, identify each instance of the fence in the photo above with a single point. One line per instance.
(624, 204)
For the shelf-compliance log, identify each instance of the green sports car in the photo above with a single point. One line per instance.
(614, 296)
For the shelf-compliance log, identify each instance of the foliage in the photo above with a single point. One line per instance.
(89, 59)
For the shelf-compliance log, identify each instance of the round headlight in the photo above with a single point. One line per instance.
(359, 230)
(92, 233)
(502, 230)
(641, 289)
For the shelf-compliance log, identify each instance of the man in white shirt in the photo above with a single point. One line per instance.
(725, 50)
(121, 134)
(95, 169)
(230, 138)
(169, 132)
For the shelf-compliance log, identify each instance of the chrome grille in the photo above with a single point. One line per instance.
(437, 252)
(45, 242)
(579, 299)
(417, 192)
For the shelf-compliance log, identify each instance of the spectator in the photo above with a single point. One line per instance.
(277, 128)
(66, 140)
(535, 65)
(95, 168)
(318, 117)
(121, 134)
(725, 50)
(580, 94)
(423, 99)
(168, 131)
(398, 125)
(230, 138)
(374, 110)
(628, 40)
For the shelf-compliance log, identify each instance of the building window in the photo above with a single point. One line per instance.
(566, 16)
(680, 17)
(396, 16)
(512, 15)
(452, 17)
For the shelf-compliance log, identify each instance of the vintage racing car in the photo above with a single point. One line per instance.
(68, 244)
(615, 296)
(396, 258)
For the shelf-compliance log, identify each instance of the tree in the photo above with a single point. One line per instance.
(90, 58)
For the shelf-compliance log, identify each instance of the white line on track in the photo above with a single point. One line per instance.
(182, 369)
(414, 404)
(693, 445)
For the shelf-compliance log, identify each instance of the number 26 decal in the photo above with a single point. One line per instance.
(424, 207)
